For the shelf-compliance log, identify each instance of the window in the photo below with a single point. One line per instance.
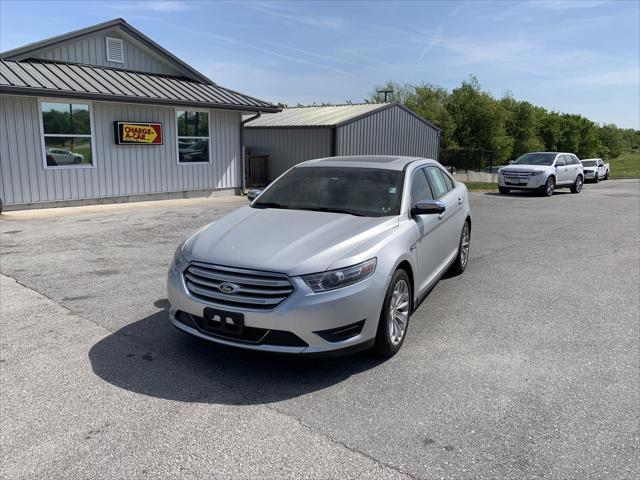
(193, 136)
(66, 129)
(437, 182)
(570, 160)
(448, 180)
(420, 187)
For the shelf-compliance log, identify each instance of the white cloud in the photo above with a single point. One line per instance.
(160, 6)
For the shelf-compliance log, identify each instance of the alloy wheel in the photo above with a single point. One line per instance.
(551, 184)
(465, 241)
(578, 184)
(398, 312)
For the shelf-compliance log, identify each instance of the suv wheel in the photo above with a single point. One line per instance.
(606, 175)
(549, 187)
(462, 259)
(577, 185)
(394, 318)
(596, 179)
(503, 190)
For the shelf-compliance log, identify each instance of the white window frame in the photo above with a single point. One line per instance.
(106, 45)
(178, 137)
(90, 136)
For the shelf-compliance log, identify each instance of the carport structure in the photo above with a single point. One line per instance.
(303, 133)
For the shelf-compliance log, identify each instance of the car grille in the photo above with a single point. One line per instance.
(256, 290)
(517, 175)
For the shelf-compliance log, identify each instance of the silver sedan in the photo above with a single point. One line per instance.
(332, 257)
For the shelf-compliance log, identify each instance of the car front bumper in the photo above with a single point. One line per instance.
(303, 313)
(528, 183)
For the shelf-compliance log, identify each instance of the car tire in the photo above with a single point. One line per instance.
(577, 185)
(397, 304)
(549, 187)
(596, 179)
(606, 176)
(503, 190)
(462, 259)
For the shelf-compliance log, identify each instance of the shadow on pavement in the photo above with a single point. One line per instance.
(153, 358)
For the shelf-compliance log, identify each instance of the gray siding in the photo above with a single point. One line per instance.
(119, 170)
(288, 146)
(392, 131)
(91, 50)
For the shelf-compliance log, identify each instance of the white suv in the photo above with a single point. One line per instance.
(543, 172)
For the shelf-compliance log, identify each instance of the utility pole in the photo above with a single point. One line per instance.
(386, 92)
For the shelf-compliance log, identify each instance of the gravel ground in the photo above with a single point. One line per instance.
(527, 366)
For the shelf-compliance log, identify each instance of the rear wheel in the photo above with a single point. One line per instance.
(504, 190)
(462, 259)
(394, 318)
(577, 185)
(606, 175)
(549, 187)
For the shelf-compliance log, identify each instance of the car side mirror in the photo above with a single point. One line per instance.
(560, 164)
(428, 207)
(253, 194)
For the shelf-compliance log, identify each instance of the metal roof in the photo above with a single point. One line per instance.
(91, 82)
(324, 116)
(22, 53)
(386, 162)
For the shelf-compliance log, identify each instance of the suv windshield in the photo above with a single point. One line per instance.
(589, 163)
(370, 192)
(536, 159)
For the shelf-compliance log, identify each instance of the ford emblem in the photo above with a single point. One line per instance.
(228, 288)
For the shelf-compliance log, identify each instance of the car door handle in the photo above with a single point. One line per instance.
(459, 201)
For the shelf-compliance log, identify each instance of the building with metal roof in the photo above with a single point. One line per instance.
(106, 114)
(303, 133)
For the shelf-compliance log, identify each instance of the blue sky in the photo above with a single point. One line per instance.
(570, 56)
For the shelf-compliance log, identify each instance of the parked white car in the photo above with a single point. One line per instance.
(60, 156)
(543, 172)
(595, 169)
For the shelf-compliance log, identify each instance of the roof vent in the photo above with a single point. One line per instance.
(115, 50)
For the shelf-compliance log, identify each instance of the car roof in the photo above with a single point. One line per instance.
(387, 162)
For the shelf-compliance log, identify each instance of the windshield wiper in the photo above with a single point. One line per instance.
(331, 210)
(270, 205)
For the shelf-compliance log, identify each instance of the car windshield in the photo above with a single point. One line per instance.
(589, 163)
(370, 192)
(536, 159)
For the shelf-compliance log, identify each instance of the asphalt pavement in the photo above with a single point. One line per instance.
(527, 366)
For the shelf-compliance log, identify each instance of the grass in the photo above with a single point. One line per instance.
(480, 186)
(626, 165)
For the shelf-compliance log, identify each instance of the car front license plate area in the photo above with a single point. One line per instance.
(221, 322)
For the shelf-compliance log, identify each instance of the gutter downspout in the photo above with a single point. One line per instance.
(243, 165)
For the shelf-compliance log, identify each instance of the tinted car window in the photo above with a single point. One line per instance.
(447, 180)
(359, 191)
(420, 187)
(437, 181)
(570, 160)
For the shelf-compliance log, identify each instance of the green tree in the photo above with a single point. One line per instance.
(399, 93)
(479, 120)
(430, 102)
(522, 126)
(612, 141)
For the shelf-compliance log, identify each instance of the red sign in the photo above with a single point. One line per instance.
(135, 133)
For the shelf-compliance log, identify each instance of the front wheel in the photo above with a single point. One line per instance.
(549, 187)
(577, 185)
(596, 179)
(394, 317)
(503, 190)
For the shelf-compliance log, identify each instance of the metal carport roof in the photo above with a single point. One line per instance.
(324, 116)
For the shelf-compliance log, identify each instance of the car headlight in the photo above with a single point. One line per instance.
(332, 279)
(179, 259)
(537, 172)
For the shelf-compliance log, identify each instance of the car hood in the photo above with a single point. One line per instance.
(524, 168)
(295, 242)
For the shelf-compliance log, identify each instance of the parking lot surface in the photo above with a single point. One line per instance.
(526, 366)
